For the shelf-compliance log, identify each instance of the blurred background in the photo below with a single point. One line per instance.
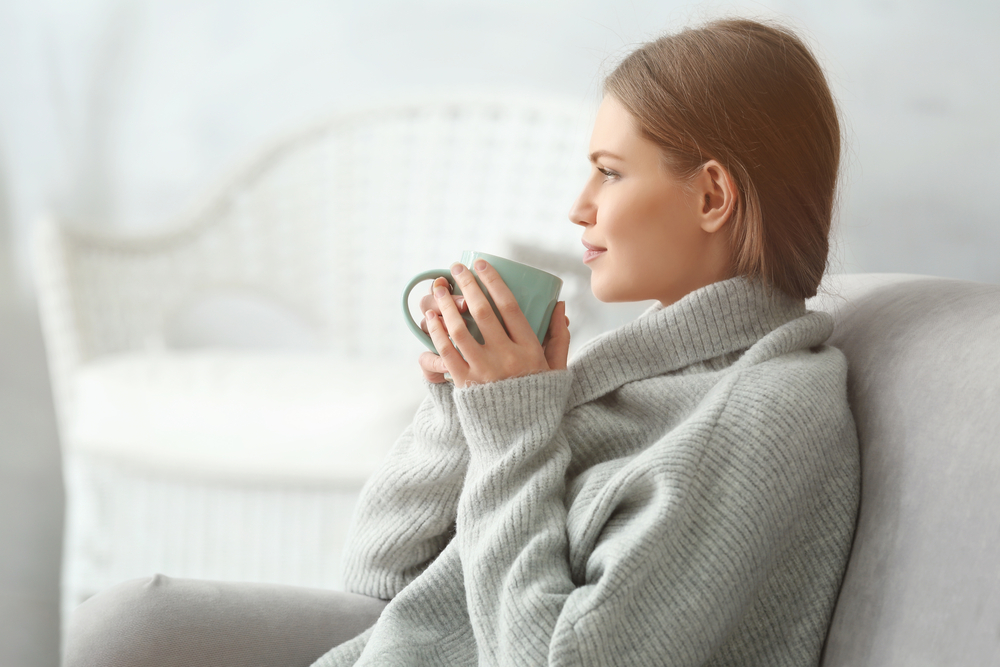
(118, 114)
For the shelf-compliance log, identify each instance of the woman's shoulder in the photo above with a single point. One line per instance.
(794, 400)
(815, 376)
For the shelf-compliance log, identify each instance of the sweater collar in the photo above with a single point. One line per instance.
(716, 319)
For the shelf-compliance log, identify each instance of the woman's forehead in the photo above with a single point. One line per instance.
(616, 136)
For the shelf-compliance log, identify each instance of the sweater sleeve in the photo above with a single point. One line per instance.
(512, 516)
(406, 511)
(681, 545)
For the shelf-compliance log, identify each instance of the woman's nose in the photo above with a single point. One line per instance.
(582, 212)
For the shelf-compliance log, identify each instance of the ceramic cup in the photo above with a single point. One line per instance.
(536, 291)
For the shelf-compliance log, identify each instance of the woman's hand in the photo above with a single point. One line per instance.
(501, 356)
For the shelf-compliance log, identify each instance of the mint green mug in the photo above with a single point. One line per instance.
(536, 291)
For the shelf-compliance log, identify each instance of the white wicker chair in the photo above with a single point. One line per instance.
(185, 461)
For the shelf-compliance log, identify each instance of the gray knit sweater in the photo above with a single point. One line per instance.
(684, 494)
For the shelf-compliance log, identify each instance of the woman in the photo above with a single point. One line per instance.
(684, 491)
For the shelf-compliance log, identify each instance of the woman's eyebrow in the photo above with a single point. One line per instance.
(603, 153)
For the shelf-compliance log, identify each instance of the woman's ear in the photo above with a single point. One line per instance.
(717, 193)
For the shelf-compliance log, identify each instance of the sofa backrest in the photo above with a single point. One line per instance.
(922, 586)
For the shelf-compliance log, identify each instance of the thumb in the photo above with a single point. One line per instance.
(557, 343)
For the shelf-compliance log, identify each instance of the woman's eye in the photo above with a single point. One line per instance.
(608, 174)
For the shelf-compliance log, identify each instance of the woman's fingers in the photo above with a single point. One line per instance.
(518, 327)
(557, 338)
(449, 355)
(479, 306)
(429, 302)
(433, 367)
(450, 320)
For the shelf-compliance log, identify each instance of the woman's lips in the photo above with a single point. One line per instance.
(592, 251)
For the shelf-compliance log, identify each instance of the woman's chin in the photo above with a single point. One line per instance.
(598, 290)
(606, 293)
(616, 291)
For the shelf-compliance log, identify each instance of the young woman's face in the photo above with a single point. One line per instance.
(645, 230)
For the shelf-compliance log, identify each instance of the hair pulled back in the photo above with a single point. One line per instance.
(753, 97)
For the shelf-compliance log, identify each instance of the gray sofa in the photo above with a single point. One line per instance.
(923, 582)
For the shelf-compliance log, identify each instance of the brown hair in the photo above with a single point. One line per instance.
(752, 97)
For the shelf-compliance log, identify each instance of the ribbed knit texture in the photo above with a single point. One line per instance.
(684, 494)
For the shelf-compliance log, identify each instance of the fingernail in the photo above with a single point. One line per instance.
(460, 302)
(457, 269)
(440, 291)
(429, 316)
(480, 265)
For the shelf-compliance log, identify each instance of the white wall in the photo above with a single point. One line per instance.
(122, 112)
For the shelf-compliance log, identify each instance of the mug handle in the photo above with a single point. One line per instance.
(433, 274)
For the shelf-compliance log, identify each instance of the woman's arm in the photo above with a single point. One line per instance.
(512, 516)
(407, 509)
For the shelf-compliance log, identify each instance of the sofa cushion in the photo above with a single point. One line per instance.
(244, 416)
(923, 584)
